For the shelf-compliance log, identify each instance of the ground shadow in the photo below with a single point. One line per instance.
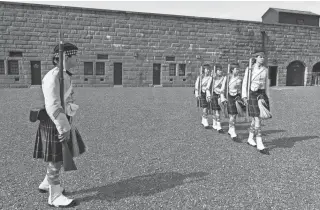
(244, 136)
(140, 186)
(287, 142)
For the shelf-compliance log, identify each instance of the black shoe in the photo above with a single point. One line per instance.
(220, 131)
(236, 139)
(251, 145)
(264, 151)
(46, 191)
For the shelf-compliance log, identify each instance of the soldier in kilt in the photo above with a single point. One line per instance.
(218, 88)
(202, 93)
(258, 90)
(57, 126)
(234, 101)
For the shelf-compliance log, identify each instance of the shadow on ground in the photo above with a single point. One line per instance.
(287, 142)
(140, 186)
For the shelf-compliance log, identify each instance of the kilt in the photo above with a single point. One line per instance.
(254, 110)
(232, 109)
(214, 102)
(47, 145)
(203, 101)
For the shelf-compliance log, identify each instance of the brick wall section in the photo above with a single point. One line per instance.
(34, 30)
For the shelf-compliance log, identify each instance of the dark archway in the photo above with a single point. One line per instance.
(295, 74)
(315, 80)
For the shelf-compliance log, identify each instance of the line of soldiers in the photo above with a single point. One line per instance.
(233, 95)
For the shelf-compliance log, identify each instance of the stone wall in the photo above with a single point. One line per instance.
(138, 40)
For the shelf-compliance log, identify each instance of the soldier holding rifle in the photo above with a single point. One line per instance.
(56, 133)
(255, 93)
(202, 92)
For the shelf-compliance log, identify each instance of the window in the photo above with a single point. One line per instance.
(172, 69)
(170, 58)
(13, 67)
(100, 68)
(88, 68)
(300, 21)
(182, 69)
(102, 56)
(2, 67)
(15, 54)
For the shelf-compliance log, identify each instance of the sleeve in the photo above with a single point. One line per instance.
(196, 87)
(208, 89)
(244, 84)
(223, 89)
(51, 93)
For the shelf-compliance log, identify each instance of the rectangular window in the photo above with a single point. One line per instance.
(2, 67)
(300, 21)
(172, 69)
(170, 58)
(15, 54)
(182, 69)
(102, 56)
(100, 68)
(13, 67)
(88, 68)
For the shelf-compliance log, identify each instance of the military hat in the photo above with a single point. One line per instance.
(68, 48)
(218, 66)
(259, 52)
(206, 64)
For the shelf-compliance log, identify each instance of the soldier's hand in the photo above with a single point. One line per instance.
(64, 137)
(245, 101)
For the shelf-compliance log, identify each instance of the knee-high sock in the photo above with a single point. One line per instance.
(53, 170)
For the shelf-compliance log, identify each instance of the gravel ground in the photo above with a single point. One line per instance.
(148, 150)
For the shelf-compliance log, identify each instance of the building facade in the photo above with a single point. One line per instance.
(141, 49)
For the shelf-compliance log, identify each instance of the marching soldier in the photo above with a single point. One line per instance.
(202, 92)
(218, 88)
(58, 127)
(233, 92)
(255, 93)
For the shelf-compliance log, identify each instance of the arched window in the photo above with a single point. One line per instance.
(315, 79)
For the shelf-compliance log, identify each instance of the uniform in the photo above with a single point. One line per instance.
(57, 124)
(218, 89)
(204, 89)
(258, 89)
(234, 91)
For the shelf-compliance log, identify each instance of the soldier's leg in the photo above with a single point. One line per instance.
(251, 140)
(232, 130)
(218, 116)
(56, 198)
(205, 122)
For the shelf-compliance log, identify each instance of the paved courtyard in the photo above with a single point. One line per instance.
(148, 150)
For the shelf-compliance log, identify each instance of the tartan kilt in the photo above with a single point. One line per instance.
(232, 109)
(254, 110)
(203, 101)
(214, 102)
(47, 145)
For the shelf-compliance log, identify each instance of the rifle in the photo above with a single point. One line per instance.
(68, 163)
(212, 87)
(227, 94)
(248, 89)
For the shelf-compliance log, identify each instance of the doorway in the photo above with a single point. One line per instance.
(273, 73)
(117, 74)
(156, 73)
(35, 72)
(295, 74)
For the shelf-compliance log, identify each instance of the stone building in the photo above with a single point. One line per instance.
(142, 49)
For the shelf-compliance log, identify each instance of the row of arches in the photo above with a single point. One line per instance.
(296, 74)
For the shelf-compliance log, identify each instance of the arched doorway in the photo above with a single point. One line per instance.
(315, 80)
(295, 74)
